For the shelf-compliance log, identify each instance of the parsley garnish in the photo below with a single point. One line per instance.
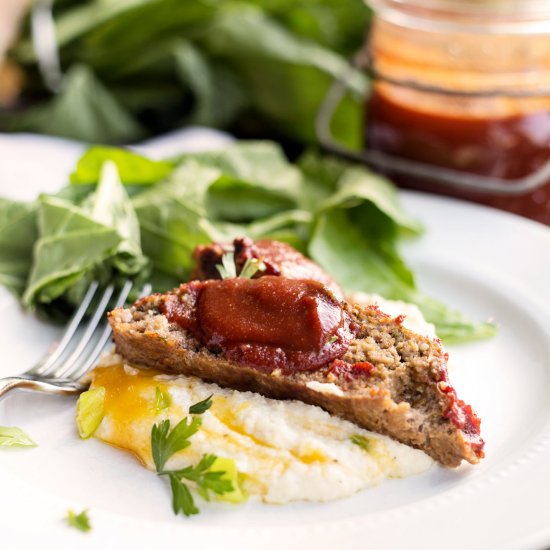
(166, 442)
(79, 521)
(201, 406)
(333, 339)
(204, 479)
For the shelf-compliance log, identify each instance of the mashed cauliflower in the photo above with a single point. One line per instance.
(285, 450)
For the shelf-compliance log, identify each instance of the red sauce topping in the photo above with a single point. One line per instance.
(267, 323)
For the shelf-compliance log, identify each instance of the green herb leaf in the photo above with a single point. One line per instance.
(79, 521)
(165, 443)
(228, 269)
(251, 267)
(205, 479)
(361, 441)
(14, 437)
(163, 400)
(208, 476)
(333, 339)
(182, 499)
(201, 406)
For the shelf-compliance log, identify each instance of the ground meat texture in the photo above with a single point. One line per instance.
(396, 382)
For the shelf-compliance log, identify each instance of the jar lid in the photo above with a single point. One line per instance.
(498, 16)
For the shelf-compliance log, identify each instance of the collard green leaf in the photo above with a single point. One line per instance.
(208, 82)
(337, 24)
(356, 186)
(358, 248)
(132, 168)
(344, 217)
(18, 233)
(84, 110)
(356, 260)
(256, 181)
(78, 243)
(453, 326)
(70, 244)
(287, 77)
(112, 207)
(172, 218)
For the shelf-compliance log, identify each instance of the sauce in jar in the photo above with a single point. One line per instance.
(507, 147)
(465, 89)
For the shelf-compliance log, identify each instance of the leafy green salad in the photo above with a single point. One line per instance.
(124, 215)
(136, 68)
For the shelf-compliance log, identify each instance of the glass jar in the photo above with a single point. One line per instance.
(460, 102)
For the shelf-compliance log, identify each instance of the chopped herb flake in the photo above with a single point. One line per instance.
(163, 400)
(14, 437)
(79, 521)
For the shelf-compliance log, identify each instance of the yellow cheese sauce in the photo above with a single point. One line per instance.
(285, 450)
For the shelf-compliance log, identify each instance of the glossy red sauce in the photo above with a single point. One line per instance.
(268, 323)
(508, 147)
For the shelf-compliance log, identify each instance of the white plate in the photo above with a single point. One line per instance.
(485, 262)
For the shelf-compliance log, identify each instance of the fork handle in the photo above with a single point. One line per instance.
(7, 384)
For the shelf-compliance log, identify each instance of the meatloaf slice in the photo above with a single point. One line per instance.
(389, 379)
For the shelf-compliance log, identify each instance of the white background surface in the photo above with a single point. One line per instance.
(487, 263)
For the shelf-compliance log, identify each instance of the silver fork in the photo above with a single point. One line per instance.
(82, 342)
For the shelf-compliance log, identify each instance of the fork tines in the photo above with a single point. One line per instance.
(86, 334)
